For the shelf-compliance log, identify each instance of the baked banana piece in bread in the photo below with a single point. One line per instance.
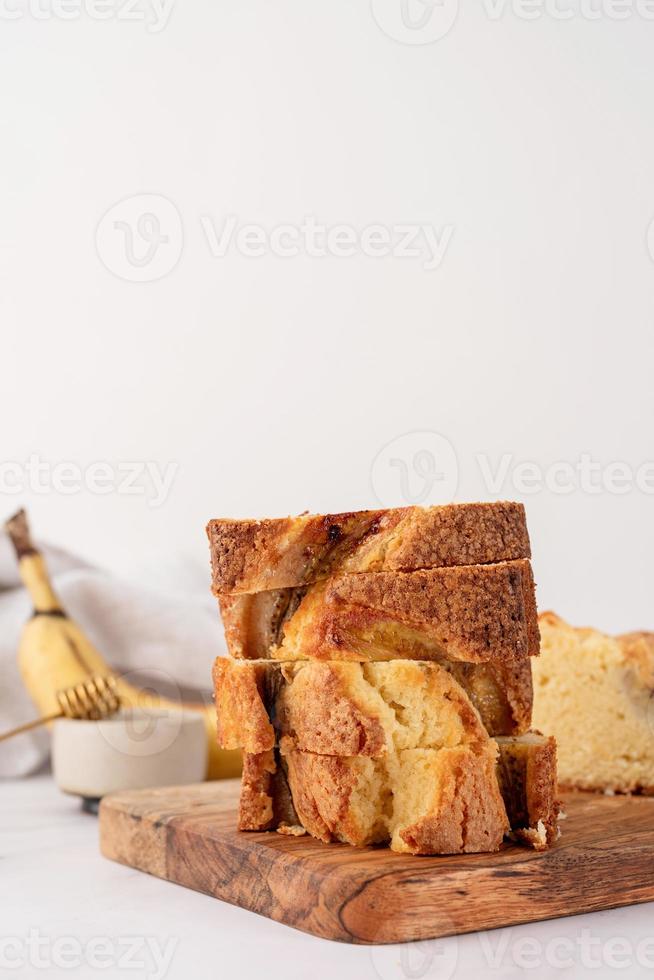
(358, 709)
(595, 694)
(527, 777)
(256, 556)
(470, 613)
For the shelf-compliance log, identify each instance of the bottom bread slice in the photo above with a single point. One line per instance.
(422, 801)
(425, 801)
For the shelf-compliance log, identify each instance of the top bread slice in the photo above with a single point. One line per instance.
(256, 556)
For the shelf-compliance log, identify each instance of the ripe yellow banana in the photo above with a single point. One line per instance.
(54, 653)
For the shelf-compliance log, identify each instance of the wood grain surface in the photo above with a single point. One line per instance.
(187, 835)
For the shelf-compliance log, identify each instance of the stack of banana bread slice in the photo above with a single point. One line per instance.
(379, 678)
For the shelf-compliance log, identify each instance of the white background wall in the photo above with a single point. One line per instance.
(272, 383)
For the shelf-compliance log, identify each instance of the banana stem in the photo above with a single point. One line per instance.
(31, 565)
(19, 531)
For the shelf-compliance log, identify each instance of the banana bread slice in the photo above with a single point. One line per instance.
(342, 709)
(527, 776)
(255, 556)
(427, 782)
(471, 613)
(424, 801)
(359, 709)
(595, 694)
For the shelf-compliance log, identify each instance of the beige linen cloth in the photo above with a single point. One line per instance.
(158, 639)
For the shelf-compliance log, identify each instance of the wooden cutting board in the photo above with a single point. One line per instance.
(187, 834)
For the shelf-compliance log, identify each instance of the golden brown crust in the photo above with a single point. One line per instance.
(428, 784)
(248, 623)
(472, 613)
(502, 693)
(528, 781)
(256, 805)
(255, 556)
(242, 717)
(320, 709)
(362, 751)
(265, 802)
(468, 815)
(322, 787)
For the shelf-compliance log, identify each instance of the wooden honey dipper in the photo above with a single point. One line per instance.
(90, 700)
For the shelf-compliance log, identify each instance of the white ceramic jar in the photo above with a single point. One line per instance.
(134, 749)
